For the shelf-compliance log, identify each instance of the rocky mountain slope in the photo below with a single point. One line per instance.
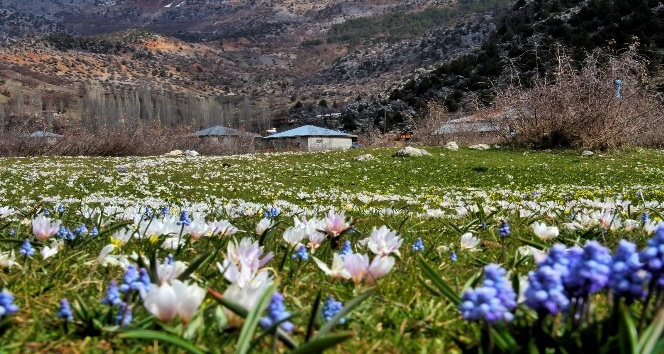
(320, 54)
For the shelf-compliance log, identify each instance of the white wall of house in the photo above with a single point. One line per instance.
(318, 143)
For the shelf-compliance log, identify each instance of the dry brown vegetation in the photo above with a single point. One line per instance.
(142, 140)
(578, 108)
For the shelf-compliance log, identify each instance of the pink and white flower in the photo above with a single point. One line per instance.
(166, 300)
(43, 228)
(383, 242)
(357, 266)
(378, 268)
(335, 224)
(222, 228)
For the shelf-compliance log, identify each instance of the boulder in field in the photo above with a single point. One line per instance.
(410, 151)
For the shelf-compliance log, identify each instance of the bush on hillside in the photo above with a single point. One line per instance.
(579, 108)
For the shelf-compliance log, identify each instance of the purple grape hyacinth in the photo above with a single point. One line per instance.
(301, 254)
(276, 312)
(418, 245)
(135, 280)
(7, 306)
(588, 269)
(545, 290)
(331, 308)
(112, 294)
(491, 302)
(652, 257)
(64, 311)
(124, 316)
(26, 248)
(627, 278)
(346, 249)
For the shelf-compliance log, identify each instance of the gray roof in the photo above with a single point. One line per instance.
(224, 131)
(44, 134)
(466, 127)
(309, 130)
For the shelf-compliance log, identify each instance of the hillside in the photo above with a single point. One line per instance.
(270, 54)
(525, 45)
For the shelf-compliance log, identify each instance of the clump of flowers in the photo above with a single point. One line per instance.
(330, 309)
(276, 312)
(64, 311)
(7, 306)
(652, 257)
(135, 280)
(418, 245)
(491, 302)
(627, 278)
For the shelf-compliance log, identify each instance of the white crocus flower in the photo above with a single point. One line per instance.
(47, 252)
(294, 235)
(197, 229)
(7, 260)
(263, 226)
(246, 296)
(222, 228)
(383, 242)
(43, 228)
(337, 270)
(357, 265)
(468, 241)
(164, 301)
(544, 232)
(537, 254)
(378, 268)
(168, 272)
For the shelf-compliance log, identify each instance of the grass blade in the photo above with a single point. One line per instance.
(627, 332)
(197, 263)
(539, 246)
(242, 312)
(231, 305)
(650, 338)
(251, 321)
(350, 305)
(161, 336)
(312, 318)
(442, 286)
(317, 345)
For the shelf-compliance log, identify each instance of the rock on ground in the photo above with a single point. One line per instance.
(410, 151)
(364, 157)
(480, 147)
(174, 153)
(452, 145)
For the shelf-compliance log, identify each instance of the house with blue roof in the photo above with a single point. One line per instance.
(310, 138)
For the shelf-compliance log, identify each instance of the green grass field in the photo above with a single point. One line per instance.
(436, 198)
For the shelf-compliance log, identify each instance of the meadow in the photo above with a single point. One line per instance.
(305, 251)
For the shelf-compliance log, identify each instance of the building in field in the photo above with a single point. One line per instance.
(48, 137)
(310, 138)
(219, 134)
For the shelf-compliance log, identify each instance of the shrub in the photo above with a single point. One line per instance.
(578, 107)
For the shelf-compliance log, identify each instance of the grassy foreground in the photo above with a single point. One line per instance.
(436, 198)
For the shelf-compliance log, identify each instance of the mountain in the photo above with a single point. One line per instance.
(227, 61)
(526, 44)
